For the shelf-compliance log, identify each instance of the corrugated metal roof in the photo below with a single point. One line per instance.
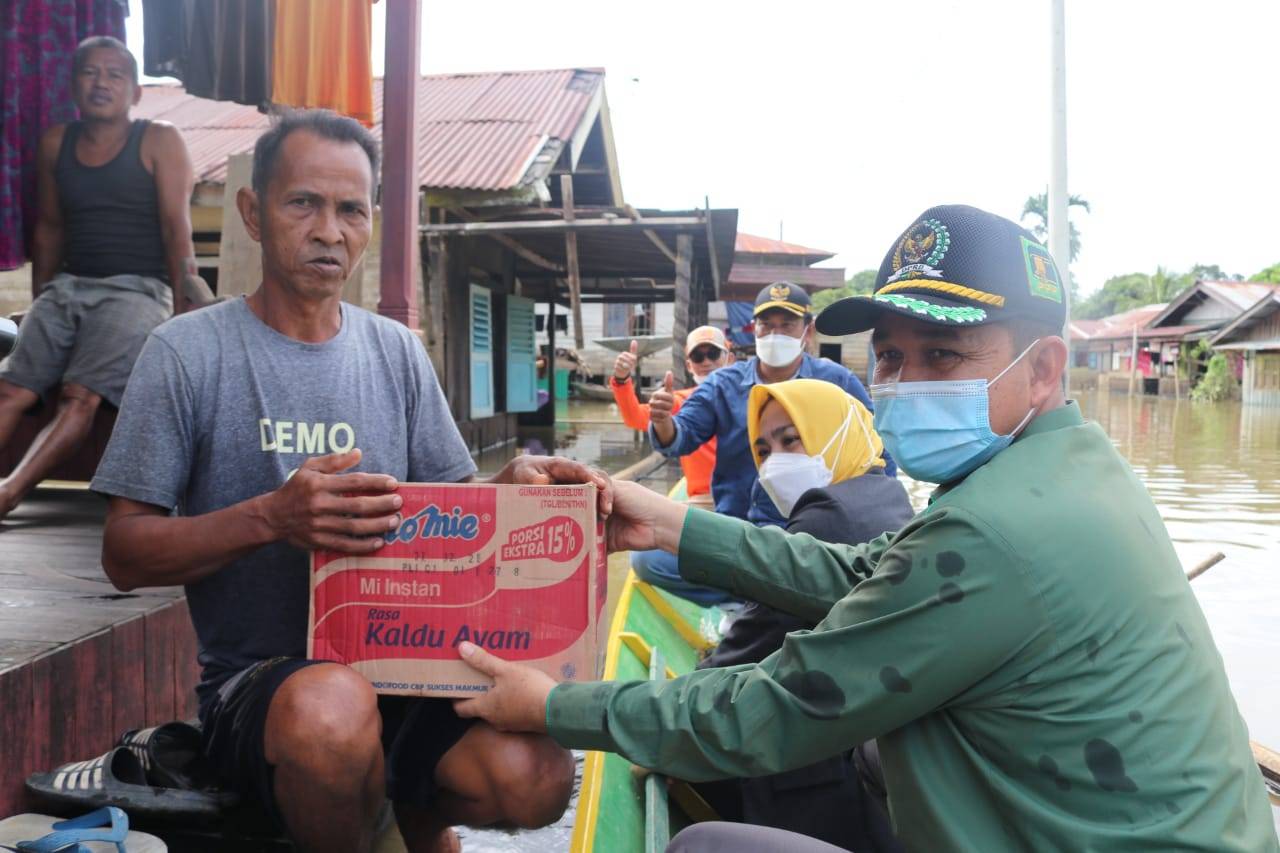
(1264, 307)
(1084, 329)
(754, 245)
(1242, 294)
(1117, 325)
(1172, 332)
(475, 131)
(759, 275)
(1237, 295)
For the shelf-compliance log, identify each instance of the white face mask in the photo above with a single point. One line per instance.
(698, 379)
(786, 476)
(778, 350)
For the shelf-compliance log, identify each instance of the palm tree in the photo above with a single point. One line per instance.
(1165, 285)
(1037, 207)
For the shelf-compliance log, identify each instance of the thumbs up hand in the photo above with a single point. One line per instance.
(662, 401)
(661, 405)
(625, 364)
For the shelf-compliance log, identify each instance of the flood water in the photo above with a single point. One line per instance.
(1212, 469)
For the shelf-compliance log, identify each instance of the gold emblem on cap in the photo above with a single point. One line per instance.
(780, 291)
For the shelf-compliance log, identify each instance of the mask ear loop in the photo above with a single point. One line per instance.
(1031, 414)
(1015, 361)
(844, 435)
(862, 424)
(871, 445)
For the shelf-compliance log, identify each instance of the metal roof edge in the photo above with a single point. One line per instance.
(1177, 303)
(1244, 316)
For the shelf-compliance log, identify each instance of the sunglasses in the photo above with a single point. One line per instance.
(702, 354)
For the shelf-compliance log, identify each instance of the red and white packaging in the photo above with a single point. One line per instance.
(518, 570)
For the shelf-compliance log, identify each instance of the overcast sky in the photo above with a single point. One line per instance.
(844, 120)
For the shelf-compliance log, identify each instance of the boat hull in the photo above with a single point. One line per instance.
(612, 815)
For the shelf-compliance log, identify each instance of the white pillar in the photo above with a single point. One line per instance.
(1059, 236)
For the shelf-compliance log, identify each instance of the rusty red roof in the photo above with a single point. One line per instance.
(1117, 325)
(476, 132)
(752, 245)
(1085, 329)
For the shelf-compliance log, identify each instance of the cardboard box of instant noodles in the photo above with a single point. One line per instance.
(517, 570)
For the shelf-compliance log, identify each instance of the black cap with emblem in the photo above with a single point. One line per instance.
(958, 266)
(784, 295)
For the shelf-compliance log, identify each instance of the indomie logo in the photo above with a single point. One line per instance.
(431, 522)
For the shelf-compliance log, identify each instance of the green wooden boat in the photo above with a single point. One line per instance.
(623, 808)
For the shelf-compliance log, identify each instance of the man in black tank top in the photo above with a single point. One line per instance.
(112, 258)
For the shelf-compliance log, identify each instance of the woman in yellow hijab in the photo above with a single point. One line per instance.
(821, 462)
(806, 434)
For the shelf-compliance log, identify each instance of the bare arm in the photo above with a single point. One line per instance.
(46, 254)
(142, 545)
(175, 182)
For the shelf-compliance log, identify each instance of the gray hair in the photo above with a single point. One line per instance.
(323, 123)
(81, 56)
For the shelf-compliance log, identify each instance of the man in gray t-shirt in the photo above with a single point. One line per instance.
(244, 436)
(221, 409)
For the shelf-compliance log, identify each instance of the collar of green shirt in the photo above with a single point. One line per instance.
(1066, 415)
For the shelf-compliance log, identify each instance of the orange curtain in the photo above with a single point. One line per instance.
(321, 56)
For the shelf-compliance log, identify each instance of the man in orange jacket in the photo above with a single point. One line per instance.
(705, 351)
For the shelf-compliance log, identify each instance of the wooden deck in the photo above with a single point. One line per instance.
(80, 662)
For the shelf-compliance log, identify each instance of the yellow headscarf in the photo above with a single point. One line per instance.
(819, 409)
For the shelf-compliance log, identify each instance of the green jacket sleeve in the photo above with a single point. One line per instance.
(792, 572)
(949, 604)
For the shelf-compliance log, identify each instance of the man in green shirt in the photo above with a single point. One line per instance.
(1026, 651)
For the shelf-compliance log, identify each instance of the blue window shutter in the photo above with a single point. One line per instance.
(522, 353)
(481, 352)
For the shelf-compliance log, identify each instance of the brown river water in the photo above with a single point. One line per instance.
(1212, 469)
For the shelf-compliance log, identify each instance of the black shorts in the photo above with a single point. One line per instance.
(416, 733)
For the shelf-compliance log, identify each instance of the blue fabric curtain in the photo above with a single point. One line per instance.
(740, 323)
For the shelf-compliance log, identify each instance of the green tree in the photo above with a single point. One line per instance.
(1118, 294)
(1165, 285)
(861, 284)
(1271, 274)
(1218, 382)
(1037, 207)
(1125, 292)
(1211, 272)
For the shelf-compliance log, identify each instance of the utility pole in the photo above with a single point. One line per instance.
(1059, 233)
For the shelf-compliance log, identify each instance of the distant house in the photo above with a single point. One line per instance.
(1196, 314)
(1255, 336)
(757, 261)
(1105, 345)
(760, 261)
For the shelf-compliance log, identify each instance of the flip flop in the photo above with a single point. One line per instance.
(171, 757)
(67, 835)
(14, 829)
(117, 778)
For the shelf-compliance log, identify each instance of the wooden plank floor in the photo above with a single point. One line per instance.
(80, 662)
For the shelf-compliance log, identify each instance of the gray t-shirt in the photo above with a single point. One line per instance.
(221, 408)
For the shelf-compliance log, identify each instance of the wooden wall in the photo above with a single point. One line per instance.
(73, 702)
(470, 261)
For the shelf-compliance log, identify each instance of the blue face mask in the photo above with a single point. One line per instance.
(939, 431)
